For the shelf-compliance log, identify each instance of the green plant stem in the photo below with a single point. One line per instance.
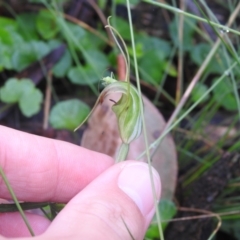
(179, 87)
(122, 152)
(16, 201)
(144, 124)
(177, 10)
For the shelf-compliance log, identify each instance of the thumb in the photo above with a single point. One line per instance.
(116, 205)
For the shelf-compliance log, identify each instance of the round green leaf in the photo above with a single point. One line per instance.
(154, 68)
(61, 68)
(199, 52)
(198, 91)
(11, 91)
(27, 26)
(223, 94)
(28, 53)
(30, 102)
(98, 61)
(46, 24)
(24, 92)
(89, 41)
(6, 57)
(123, 28)
(8, 23)
(188, 31)
(161, 47)
(68, 114)
(83, 75)
(77, 32)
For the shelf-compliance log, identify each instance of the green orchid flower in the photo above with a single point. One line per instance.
(127, 109)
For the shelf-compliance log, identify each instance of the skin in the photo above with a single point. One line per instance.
(102, 197)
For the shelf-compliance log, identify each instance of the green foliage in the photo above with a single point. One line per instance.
(188, 32)
(82, 75)
(24, 93)
(231, 226)
(91, 42)
(63, 65)
(46, 24)
(98, 60)
(132, 2)
(198, 91)
(86, 74)
(223, 94)
(28, 53)
(167, 209)
(153, 58)
(123, 28)
(68, 114)
(78, 32)
(26, 25)
(200, 51)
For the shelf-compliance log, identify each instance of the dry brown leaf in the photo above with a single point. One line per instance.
(102, 136)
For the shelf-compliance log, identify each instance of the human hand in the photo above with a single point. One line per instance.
(104, 201)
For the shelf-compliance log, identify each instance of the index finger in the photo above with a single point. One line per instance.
(41, 169)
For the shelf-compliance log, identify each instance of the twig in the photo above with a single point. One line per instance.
(47, 102)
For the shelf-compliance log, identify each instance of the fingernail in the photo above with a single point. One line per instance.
(134, 180)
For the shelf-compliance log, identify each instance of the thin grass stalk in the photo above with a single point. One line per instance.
(179, 87)
(144, 124)
(4, 177)
(177, 10)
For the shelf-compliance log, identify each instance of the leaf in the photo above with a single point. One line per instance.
(68, 114)
(188, 31)
(24, 92)
(63, 65)
(54, 43)
(77, 32)
(7, 23)
(6, 57)
(223, 94)
(11, 91)
(46, 24)
(92, 72)
(231, 226)
(198, 91)
(153, 68)
(89, 41)
(161, 47)
(167, 209)
(10, 38)
(82, 75)
(123, 28)
(199, 52)
(28, 53)
(157, 50)
(98, 61)
(5, 37)
(26, 25)
(30, 103)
